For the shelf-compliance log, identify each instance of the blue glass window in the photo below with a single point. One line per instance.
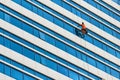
(91, 61)
(35, 9)
(81, 78)
(51, 64)
(18, 75)
(29, 70)
(89, 39)
(68, 7)
(96, 23)
(97, 43)
(18, 1)
(60, 45)
(41, 76)
(1, 39)
(107, 70)
(7, 17)
(104, 9)
(84, 58)
(74, 10)
(28, 53)
(110, 50)
(1, 67)
(79, 13)
(7, 70)
(42, 35)
(1, 14)
(118, 54)
(48, 16)
(43, 60)
(108, 29)
(85, 17)
(73, 75)
(117, 1)
(26, 77)
(26, 4)
(36, 33)
(58, 22)
(71, 50)
(59, 2)
(115, 73)
(27, 28)
(50, 40)
(63, 70)
(78, 54)
(15, 73)
(16, 47)
(68, 27)
(37, 58)
(16, 64)
(100, 66)
(6, 42)
(40, 12)
(16, 22)
(104, 47)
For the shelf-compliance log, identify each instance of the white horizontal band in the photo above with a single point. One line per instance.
(54, 50)
(32, 64)
(97, 12)
(107, 7)
(23, 71)
(63, 40)
(78, 40)
(69, 24)
(63, 32)
(50, 57)
(80, 20)
(5, 77)
(109, 26)
(113, 4)
(92, 27)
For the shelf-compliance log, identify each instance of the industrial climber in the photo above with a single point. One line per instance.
(82, 32)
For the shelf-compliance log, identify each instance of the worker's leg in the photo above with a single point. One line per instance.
(80, 33)
(84, 31)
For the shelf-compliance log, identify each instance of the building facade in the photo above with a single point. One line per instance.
(38, 40)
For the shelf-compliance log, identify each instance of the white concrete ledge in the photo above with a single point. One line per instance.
(102, 22)
(46, 23)
(5, 77)
(80, 20)
(107, 7)
(64, 32)
(48, 57)
(63, 40)
(97, 12)
(21, 70)
(68, 23)
(32, 64)
(38, 42)
(113, 4)
(74, 38)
